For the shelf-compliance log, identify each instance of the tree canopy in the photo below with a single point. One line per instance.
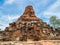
(54, 21)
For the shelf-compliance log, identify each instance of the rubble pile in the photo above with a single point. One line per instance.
(28, 27)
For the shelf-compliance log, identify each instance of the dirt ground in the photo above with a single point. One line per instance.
(42, 42)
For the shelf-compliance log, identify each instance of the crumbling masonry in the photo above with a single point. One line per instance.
(28, 27)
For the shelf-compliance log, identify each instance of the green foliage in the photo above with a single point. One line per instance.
(54, 21)
(58, 22)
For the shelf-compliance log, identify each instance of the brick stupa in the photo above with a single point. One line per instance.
(28, 27)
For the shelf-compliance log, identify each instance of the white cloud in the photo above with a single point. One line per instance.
(53, 9)
(51, 13)
(9, 1)
(3, 26)
(56, 4)
(11, 18)
(5, 20)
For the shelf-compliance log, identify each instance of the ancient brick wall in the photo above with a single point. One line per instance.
(28, 26)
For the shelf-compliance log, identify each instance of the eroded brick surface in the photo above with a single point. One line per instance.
(28, 27)
(31, 43)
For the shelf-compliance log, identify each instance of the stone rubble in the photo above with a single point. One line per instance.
(28, 27)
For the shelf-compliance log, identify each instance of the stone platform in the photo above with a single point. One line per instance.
(42, 42)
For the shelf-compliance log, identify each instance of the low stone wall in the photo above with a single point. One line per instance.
(42, 42)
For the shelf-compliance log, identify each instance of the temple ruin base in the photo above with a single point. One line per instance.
(42, 42)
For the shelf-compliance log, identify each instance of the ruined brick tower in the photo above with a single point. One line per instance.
(28, 27)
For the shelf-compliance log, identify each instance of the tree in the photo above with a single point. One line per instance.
(53, 21)
(57, 23)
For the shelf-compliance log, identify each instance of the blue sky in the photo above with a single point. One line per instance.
(10, 10)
